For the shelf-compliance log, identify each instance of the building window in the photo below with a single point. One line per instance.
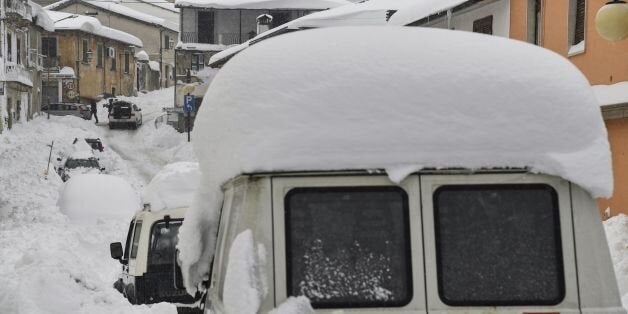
(205, 28)
(126, 62)
(100, 54)
(18, 50)
(197, 62)
(85, 49)
(49, 49)
(483, 25)
(9, 47)
(498, 245)
(534, 22)
(577, 12)
(362, 233)
(166, 42)
(113, 62)
(113, 91)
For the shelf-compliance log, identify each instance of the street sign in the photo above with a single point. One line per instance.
(188, 103)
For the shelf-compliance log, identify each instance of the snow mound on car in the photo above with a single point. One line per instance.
(392, 98)
(90, 198)
(173, 186)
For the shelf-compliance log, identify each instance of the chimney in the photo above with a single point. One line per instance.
(263, 23)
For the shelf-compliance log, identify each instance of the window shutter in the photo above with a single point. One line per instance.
(579, 29)
(483, 25)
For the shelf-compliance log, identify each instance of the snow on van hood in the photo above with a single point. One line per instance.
(395, 98)
(173, 186)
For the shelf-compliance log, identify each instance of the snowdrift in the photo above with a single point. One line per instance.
(392, 98)
(173, 186)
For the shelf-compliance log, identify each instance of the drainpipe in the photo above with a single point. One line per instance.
(161, 56)
(449, 20)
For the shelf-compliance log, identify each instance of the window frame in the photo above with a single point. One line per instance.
(557, 239)
(282, 186)
(573, 21)
(100, 55)
(135, 240)
(150, 238)
(431, 182)
(127, 61)
(84, 51)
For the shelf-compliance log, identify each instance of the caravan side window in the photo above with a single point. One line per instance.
(498, 245)
(348, 246)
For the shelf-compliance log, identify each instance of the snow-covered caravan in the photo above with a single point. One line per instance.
(401, 170)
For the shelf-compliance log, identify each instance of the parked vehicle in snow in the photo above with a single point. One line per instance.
(148, 260)
(95, 143)
(67, 109)
(413, 170)
(124, 114)
(78, 162)
(148, 257)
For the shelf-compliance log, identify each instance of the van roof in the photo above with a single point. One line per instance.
(401, 99)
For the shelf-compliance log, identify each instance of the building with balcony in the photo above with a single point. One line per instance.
(157, 24)
(210, 26)
(85, 60)
(22, 24)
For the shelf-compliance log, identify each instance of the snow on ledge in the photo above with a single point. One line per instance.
(395, 98)
(611, 94)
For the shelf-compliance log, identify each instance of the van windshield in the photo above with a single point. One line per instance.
(163, 242)
(348, 246)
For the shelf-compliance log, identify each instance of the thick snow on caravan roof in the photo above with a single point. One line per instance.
(262, 4)
(394, 98)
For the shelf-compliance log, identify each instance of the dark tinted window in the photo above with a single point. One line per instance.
(85, 163)
(348, 246)
(163, 242)
(498, 245)
(128, 241)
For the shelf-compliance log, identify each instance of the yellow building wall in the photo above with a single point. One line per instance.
(95, 80)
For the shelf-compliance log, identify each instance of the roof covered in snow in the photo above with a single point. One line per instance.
(394, 98)
(422, 9)
(166, 5)
(43, 20)
(88, 24)
(262, 4)
(368, 13)
(117, 8)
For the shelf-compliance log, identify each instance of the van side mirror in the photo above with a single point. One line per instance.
(58, 159)
(116, 250)
(177, 275)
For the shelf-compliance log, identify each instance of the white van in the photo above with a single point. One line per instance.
(400, 170)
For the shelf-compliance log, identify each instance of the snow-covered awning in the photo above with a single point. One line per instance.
(64, 73)
(612, 94)
(262, 4)
(88, 24)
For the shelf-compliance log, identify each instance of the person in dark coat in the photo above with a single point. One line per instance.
(94, 110)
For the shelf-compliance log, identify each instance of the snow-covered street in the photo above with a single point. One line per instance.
(49, 263)
(52, 263)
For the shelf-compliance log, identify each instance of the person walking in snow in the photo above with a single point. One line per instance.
(94, 110)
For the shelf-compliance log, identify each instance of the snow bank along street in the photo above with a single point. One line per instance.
(54, 263)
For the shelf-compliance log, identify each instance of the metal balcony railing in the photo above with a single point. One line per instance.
(19, 8)
(17, 73)
(35, 59)
(221, 38)
(50, 62)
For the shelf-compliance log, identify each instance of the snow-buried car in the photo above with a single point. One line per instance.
(403, 170)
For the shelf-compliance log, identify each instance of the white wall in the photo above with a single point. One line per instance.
(500, 10)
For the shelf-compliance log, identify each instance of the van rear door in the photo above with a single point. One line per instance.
(498, 243)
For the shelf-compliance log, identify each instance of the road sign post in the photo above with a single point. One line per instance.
(188, 107)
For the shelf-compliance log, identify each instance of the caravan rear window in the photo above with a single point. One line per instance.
(498, 245)
(348, 246)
